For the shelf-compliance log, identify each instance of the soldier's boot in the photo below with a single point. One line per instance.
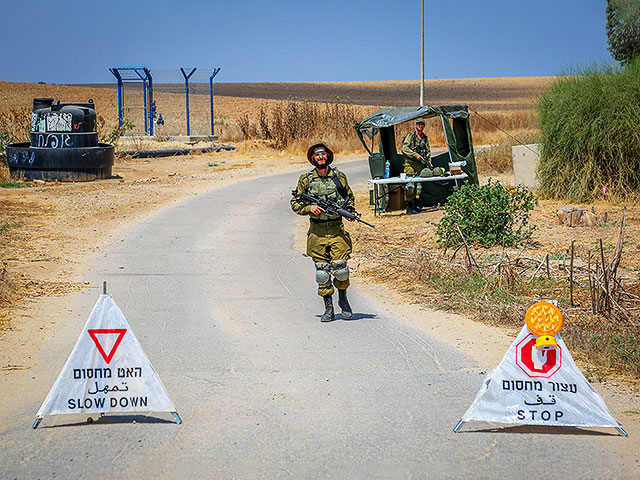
(328, 315)
(411, 208)
(344, 304)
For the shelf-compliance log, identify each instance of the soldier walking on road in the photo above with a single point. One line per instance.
(328, 243)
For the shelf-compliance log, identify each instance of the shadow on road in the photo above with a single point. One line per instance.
(356, 316)
(111, 419)
(542, 429)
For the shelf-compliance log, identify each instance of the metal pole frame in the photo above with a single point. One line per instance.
(150, 111)
(446, 138)
(116, 73)
(213, 74)
(146, 106)
(186, 87)
(147, 91)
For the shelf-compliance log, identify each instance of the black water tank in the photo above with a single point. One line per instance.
(64, 144)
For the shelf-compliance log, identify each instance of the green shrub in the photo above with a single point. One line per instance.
(115, 134)
(589, 134)
(487, 215)
(11, 185)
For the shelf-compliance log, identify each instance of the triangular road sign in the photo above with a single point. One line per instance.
(107, 371)
(117, 332)
(532, 387)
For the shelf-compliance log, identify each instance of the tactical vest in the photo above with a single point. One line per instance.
(419, 145)
(326, 188)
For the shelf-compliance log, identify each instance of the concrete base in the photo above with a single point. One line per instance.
(525, 161)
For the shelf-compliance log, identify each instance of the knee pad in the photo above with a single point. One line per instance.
(340, 270)
(323, 277)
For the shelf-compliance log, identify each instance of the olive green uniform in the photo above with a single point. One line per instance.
(327, 240)
(412, 146)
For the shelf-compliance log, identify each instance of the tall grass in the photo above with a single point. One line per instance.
(15, 125)
(292, 125)
(590, 136)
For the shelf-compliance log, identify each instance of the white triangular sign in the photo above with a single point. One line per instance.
(531, 387)
(107, 371)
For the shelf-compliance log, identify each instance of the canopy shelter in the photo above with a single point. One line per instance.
(455, 122)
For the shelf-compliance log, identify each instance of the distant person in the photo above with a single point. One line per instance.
(417, 162)
(328, 243)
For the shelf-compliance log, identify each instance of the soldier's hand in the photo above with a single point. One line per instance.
(420, 157)
(316, 209)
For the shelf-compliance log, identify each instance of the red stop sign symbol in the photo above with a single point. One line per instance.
(537, 363)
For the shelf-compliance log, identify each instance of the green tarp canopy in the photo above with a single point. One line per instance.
(455, 121)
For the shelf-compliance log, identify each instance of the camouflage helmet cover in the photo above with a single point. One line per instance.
(316, 144)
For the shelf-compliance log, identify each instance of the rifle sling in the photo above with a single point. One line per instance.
(341, 190)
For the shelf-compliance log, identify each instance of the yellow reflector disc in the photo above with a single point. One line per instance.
(546, 342)
(543, 318)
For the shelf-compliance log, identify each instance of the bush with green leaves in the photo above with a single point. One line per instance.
(115, 134)
(623, 29)
(589, 135)
(487, 215)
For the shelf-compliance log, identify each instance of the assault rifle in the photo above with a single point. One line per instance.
(330, 207)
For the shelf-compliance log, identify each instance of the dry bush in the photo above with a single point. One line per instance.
(496, 286)
(292, 125)
(15, 125)
(4, 171)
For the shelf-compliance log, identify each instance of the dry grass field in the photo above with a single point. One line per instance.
(497, 105)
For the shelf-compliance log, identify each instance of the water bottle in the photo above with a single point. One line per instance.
(387, 169)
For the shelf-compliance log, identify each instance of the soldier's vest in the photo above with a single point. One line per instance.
(419, 145)
(327, 189)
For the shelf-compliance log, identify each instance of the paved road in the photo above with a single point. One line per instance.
(227, 312)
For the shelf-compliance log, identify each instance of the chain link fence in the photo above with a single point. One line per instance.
(169, 102)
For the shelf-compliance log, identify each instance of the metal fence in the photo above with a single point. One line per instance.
(166, 102)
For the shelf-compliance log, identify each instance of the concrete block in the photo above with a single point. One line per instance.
(525, 161)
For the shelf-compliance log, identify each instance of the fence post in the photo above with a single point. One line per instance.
(186, 85)
(213, 74)
(116, 74)
(150, 107)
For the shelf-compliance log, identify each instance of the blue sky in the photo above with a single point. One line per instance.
(76, 41)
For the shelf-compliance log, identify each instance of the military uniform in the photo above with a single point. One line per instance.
(328, 243)
(327, 240)
(412, 146)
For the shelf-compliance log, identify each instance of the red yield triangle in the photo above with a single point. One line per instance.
(94, 331)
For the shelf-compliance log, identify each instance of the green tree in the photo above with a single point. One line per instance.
(623, 29)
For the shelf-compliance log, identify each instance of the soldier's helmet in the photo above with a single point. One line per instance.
(316, 144)
(420, 120)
